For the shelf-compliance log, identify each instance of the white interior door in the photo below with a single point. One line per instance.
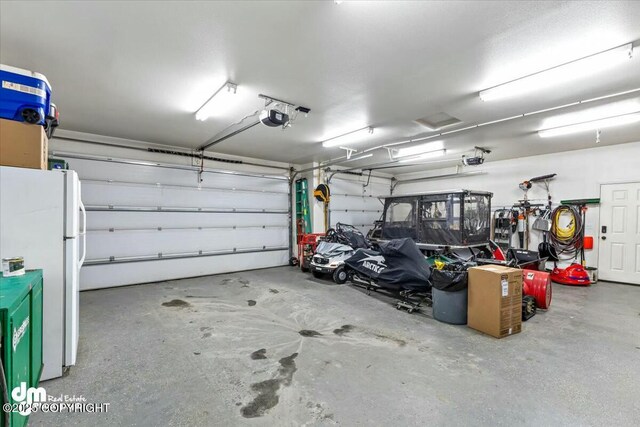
(620, 233)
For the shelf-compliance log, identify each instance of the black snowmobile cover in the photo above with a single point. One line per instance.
(399, 265)
(348, 235)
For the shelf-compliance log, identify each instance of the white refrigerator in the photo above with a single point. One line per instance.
(43, 220)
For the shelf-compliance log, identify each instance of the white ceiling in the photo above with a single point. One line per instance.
(139, 70)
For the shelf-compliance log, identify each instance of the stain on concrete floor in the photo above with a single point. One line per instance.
(259, 354)
(309, 333)
(267, 390)
(176, 303)
(399, 341)
(343, 329)
(251, 302)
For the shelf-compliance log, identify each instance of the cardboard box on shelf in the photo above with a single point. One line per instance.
(23, 145)
(495, 300)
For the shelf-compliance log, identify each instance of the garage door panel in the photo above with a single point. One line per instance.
(110, 275)
(99, 170)
(131, 195)
(122, 245)
(355, 204)
(104, 244)
(362, 221)
(352, 202)
(132, 220)
(348, 186)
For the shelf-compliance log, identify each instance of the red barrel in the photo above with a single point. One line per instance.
(538, 285)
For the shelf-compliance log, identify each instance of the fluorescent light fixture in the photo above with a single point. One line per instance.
(559, 74)
(430, 155)
(419, 149)
(348, 138)
(218, 102)
(353, 159)
(611, 109)
(606, 122)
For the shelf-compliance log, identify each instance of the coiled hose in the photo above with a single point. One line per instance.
(567, 240)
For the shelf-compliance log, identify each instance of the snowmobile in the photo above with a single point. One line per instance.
(396, 267)
(329, 259)
(347, 235)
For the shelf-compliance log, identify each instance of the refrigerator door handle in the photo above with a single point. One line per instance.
(83, 233)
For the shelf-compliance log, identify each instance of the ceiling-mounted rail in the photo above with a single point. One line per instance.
(163, 165)
(167, 150)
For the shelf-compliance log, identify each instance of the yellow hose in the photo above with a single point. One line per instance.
(564, 233)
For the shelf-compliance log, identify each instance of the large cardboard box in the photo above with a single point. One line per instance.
(23, 145)
(495, 300)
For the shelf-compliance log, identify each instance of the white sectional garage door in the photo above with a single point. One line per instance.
(147, 223)
(355, 202)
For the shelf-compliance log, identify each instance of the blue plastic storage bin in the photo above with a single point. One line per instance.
(25, 96)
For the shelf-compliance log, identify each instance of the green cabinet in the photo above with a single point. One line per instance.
(21, 333)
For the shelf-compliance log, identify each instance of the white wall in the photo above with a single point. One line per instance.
(580, 174)
(122, 234)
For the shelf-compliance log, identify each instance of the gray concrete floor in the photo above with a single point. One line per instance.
(232, 354)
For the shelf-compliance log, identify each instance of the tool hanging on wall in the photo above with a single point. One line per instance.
(322, 194)
(568, 239)
(526, 207)
(504, 225)
(522, 226)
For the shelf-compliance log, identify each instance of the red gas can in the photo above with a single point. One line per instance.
(538, 285)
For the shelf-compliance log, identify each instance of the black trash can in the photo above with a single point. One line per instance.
(449, 295)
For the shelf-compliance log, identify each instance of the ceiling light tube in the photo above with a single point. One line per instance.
(353, 159)
(561, 73)
(419, 149)
(348, 138)
(430, 155)
(603, 123)
(218, 102)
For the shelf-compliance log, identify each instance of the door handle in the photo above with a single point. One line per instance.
(604, 237)
(83, 233)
